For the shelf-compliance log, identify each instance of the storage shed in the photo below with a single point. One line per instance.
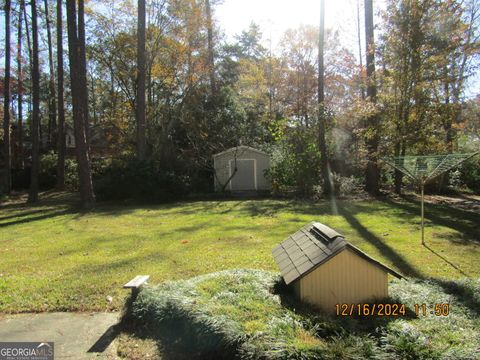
(324, 269)
(250, 165)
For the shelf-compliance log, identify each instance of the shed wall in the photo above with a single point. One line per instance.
(224, 163)
(345, 279)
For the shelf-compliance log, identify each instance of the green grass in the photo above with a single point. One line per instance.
(54, 257)
(249, 314)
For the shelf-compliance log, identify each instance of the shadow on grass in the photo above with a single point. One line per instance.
(21, 214)
(446, 260)
(398, 260)
(250, 207)
(176, 337)
(460, 238)
(50, 205)
(465, 222)
(462, 293)
(43, 216)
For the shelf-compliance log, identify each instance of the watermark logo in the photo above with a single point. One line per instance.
(26, 350)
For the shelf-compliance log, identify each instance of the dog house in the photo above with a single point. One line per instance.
(324, 269)
(241, 168)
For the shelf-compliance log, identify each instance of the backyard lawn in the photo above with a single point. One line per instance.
(55, 258)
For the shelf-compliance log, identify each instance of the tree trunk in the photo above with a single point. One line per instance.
(211, 55)
(140, 101)
(29, 45)
(30, 60)
(83, 66)
(400, 149)
(76, 47)
(61, 146)
(93, 100)
(7, 153)
(360, 55)
(35, 124)
(19, 163)
(327, 185)
(372, 175)
(51, 85)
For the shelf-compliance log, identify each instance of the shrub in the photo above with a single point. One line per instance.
(470, 174)
(47, 176)
(343, 186)
(128, 178)
(295, 163)
(455, 180)
(347, 185)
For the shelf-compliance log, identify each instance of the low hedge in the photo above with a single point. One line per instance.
(249, 314)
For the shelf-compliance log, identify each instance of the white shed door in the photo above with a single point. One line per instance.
(244, 179)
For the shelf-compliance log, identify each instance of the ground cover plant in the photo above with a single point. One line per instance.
(248, 314)
(55, 257)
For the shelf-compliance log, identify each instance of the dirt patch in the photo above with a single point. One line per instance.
(462, 202)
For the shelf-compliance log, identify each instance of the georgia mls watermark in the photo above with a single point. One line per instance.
(26, 350)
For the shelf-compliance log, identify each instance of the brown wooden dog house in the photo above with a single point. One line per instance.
(324, 269)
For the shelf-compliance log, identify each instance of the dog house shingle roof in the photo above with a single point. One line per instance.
(310, 247)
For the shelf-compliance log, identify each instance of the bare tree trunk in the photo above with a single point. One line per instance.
(360, 55)
(51, 85)
(30, 60)
(61, 106)
(83, 65)
(211, 55)
(7, 151)
(79, 95)
(400, 144)
(29, 45)
(372, 175)
(140, 103)
(400, 149)
(327, 185)
(35, 124)
(93, 99)
(270, 80)
(20, 86)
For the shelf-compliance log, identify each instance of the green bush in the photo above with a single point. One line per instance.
(470, 174)
(47, 176)
(295, 163)
(347, 185)
(128, 178)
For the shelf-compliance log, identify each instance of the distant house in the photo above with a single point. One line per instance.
(99, 144)
(69, 137)
(241, 168)
(324, 269)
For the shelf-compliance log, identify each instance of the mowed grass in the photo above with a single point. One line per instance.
(54, 257)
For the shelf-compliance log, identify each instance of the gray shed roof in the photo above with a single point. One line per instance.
(241, 148)
(311, 246)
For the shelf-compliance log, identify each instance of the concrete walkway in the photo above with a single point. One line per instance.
(75, 335)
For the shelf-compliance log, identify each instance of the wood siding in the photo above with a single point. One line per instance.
(346, 278)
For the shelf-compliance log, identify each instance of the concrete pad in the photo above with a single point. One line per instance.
(76, 335)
